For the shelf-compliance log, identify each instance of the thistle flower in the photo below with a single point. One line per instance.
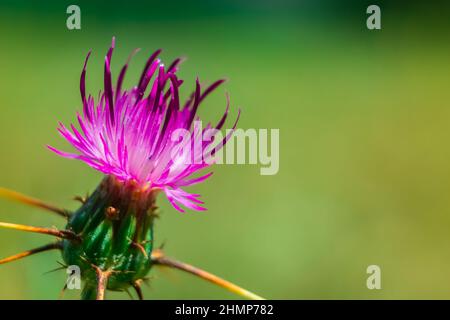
(127, 135)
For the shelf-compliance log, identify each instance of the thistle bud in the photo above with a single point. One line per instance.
(127, 135)
(115, 235)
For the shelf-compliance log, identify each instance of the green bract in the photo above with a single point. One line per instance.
(115, 229)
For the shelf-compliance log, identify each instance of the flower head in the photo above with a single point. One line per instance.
(128, 133)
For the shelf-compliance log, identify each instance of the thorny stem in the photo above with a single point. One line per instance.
(19, 197)
(64, 234)
(158, 257)
(102, 282)
(137, 288)
(50, 246)
(98, 292)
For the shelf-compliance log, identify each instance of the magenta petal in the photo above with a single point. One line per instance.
(129, 136)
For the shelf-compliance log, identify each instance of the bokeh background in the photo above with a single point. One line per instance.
(364, 141)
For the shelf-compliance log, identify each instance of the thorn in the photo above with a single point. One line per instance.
(163, 244)
(137, 287)
(54, 270)
(158, 257)
(19, 197)
(102, 282)
(47, 247)
(97, 268)
(64, 234)
(63, 290)
(125, 271)
(112, 213)
(62, 264)
(153, 211)
(86, 260)
(80, 199)
(155, 214)
(140, 248)
(157, 254)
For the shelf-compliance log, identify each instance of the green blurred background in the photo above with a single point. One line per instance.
(364, 155)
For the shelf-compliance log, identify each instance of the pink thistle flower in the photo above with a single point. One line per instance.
(127, 134)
